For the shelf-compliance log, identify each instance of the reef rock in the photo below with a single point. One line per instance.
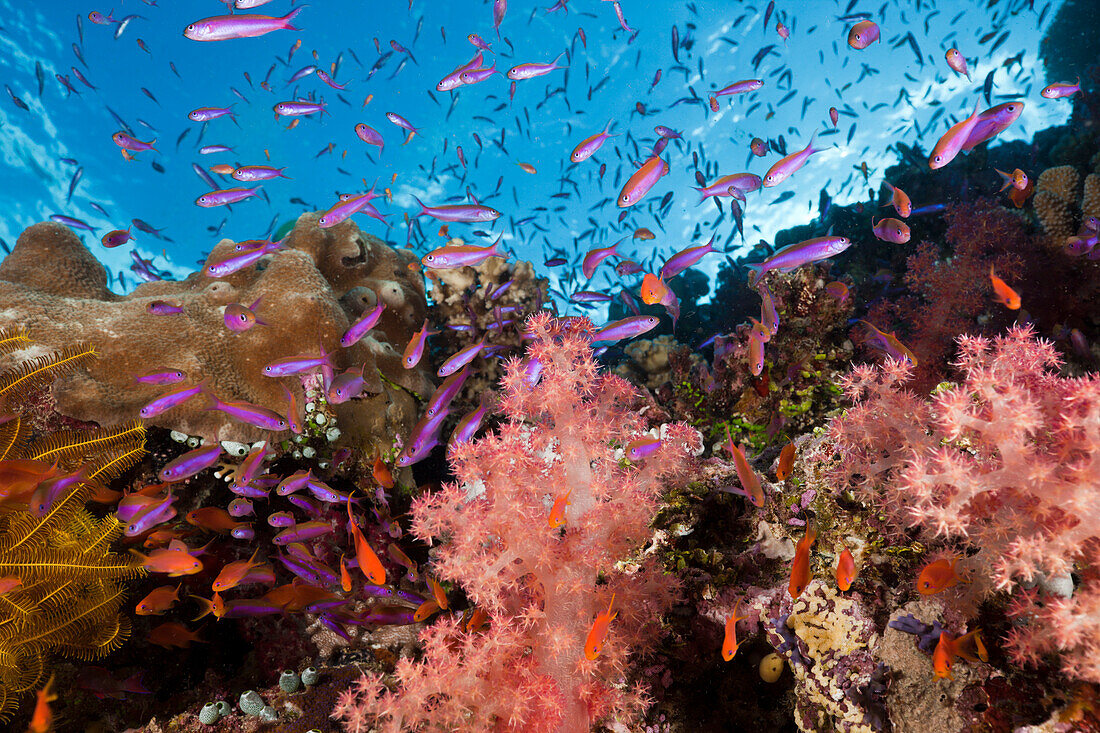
(310, 291)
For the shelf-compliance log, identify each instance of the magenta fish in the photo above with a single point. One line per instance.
(445, 393)
(117, 238)
(161, 377)
(301, 532)
(163, 308)
(127, 142)
(255, 415)
(401, 122)
(625, 328)
(461, 358)
(227, 27)
(370, 136)
(298, 109)
(360, 327)
(740, 87)
(641, 181)
(249, 173)
(786, 166)
(297, 364)
(171, 399)
(476, 76)
(993, 122)
(461, 255)
(454, 79)
(247, 257)
(346, 208)
(891, 230)
(205, 114)
(239, 318)
(414, 350)
(795, 255)
(587, 148)
(952, 141)
(191, 463)
(594, 257)
(461, 213)
(225, 196)
(323, 76)
(684, 259)
(345, 386)
(530, 71)
(1061, 90)
(476, 40)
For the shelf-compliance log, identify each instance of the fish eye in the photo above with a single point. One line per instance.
(245, 318)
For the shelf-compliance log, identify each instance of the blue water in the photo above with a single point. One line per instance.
(564, 208)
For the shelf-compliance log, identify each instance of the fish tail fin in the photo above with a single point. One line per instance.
(501, 252)
(205, 604)
(756, 271)
(555, 64)
(423, 208)
(702, 194)
(289, 18)
(607, 127)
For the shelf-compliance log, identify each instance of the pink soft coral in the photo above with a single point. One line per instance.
(1007, 463)
(566, 423)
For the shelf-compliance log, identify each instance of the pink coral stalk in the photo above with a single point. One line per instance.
(540, 587)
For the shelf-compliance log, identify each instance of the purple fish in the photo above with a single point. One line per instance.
(794, 256)
(667, 132)
(587, 148)
(191, 463)
(461, 359)
(225, 196)
(116, 238)
(281, 519)
(445, 393)
(461, 255)
(530, 71)
(769, 316)
(71, 222)
(461, 213)
(237, 262)
(205, 114)
(128, 142)
(161, 377)
(255, 415)
(588, 296)
(360, 327)
(345, 209)
(401, 122)
(297, 364)
(468, 426)
(208, 149)
(150, 516)
(293, 483)
(227, 27)
(410, 455)
(50, 490)
(302, 532)
(626, 328)
(476, 76)
(328, 80)
(249, 173)
(454, 79)
(298, 109)
(346, 386)
(251, 465)
(501, 289)
(594, 257)
(786, 166)
(740, 87)
(684, 259)
(240, 507)
(993, 122)
(163, 308)
(239, 318)
(370, 136)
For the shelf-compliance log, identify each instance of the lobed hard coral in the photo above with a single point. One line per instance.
(538, 587)
(310, 290)
(1004, 464)
(68, 585)
(1055, 201)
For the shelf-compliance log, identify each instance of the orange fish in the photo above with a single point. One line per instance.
(800, 568)
(938, 575)
(42, 718)
(345, 576)
(643, 234)
(425, 610)
(438, 593)
(9, 583)
(175, 560)
(232, 574)
(369, 564)
(398, 555)
(215, 519)
(382, 473)
(750, 482)
(1017, 179)
(477, 620)
(214, 606)
(170, 634)
(654, 289)
(786, 462)
(557, 512)
(1002, 293)
(367, 100)
(900, 201)
(222, 169)
(730, 643)
(845, 569)
(158, 601)
(297, 595)
(527, 167)
(969, 647)
(594, 643)
(957, 62)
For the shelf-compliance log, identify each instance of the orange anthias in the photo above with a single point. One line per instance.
(936, 576)
(654, 289)
(800, 568)
(382, 474)
(594, 643)
(369, 563)
(969, 647)
(730, 643)
(42, 718)
(557, 512)
(158, 601)
(1002, 293)
(750, 482)
(786, 462)
(232, 574)
(845, 569)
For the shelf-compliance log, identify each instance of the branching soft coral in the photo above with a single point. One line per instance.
(1007, 462)
(565, 425)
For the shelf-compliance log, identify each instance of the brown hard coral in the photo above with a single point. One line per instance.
(1055, 201)
(310, 291)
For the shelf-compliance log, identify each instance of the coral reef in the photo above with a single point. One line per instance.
(1055, 201)
(537, 585)
(1003, 463)
(313, 288)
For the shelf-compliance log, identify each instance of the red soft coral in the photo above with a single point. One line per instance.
(1006, 462)
(566, 423)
